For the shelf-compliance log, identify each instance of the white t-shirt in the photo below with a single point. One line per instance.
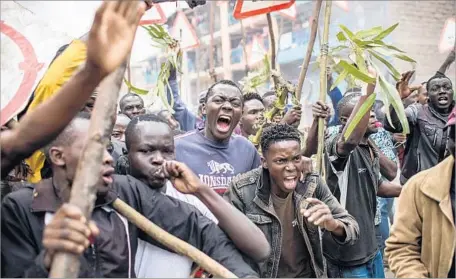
(154, 262)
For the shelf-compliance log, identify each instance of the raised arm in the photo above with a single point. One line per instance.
(245, 235)
(105, 52)
(319, 110)
(185, 117)
(447, 63)
(345, 146)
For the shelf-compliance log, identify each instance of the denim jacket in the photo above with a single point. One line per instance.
(250, 193)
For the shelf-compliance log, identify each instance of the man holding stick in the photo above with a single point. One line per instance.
(37, 223)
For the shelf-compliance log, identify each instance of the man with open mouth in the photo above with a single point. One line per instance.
(426, 143)
(271, 197)
(214, 153)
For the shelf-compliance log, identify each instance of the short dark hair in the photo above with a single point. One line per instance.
(276, 133)
(130, 131)
(268, 93)
(223, 81)
(252, 96)
(436, 76)
(345, 100)
(66, 137)
(128, 95)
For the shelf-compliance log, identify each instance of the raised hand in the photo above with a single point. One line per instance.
(292, 116)
(320, 110)
(112, 34)
(182, 178)
(403, 85)
(68, 232)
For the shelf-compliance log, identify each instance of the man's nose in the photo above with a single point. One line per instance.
(157, 158)
(227, 106)
(107, 158)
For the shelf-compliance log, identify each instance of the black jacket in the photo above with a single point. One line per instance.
(23, 220)
(251, 194)
(426, 143)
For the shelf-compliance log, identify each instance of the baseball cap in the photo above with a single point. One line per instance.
(452, 118)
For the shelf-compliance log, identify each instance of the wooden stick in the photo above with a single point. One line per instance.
(83, 192)
(172, 242)
(272, 42)
(323, 82)
(313, 35)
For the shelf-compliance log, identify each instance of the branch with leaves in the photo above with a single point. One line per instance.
(356, 51)
(170, 47)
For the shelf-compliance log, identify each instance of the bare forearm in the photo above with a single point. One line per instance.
(447, 63)
(312, 140)
(245, 235)
(388, 168)
(47, 120)
(389, 190)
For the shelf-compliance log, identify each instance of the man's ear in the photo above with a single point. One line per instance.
(264, 164)
(343, 120)
(56, 156)
(203, 109)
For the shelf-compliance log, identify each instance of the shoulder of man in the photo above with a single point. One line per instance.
(246, 179)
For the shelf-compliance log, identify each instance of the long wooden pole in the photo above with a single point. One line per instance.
(272, 42)
(84, 188)
(310, 46)
(323, 82)
(172, 242)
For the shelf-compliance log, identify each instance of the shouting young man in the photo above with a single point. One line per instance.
(271, 196)
(353, 175)
(215, 154)
(37, 222)
(426, 143)
(150, 146)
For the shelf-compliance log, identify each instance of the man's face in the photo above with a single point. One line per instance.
(201, 100)
(151, 145)
(440, 93)
(372, 126)
(423, 95)
(269, 101)
(253, 114)
(133, 106)
(118, 132)
(223, 110)
(284, 163)
(67, 157)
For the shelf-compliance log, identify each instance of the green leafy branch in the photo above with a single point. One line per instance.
(256, 79)
(366, 48)
(170, 47)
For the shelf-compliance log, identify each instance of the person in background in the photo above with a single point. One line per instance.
(269, 98)
(215, 154)
(423, 237)
(271, 196)
(150, 145)
(118, 133)
(187, 120)
(425, 145)
(132, 105)
(353, 176)
(252, 114)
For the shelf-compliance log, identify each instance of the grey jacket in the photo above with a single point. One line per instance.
(250, 193)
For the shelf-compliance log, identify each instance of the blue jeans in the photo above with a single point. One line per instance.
(386, 205)
(371, 269)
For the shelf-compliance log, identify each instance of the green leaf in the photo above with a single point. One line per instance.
(396, 102)
(404, 57)
(349, 33)
(135, 89)
(386, 32)
(356, 73)
(339, 79)
(393, 70)
(341, 37)
(337, 49)
(360, 61)
(363, 109)
(374, 31)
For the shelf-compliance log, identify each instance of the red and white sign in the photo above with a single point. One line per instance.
(342, 4)
(184, 32)
(290, 13)
(154, 16)
(244, 9)
(447, 38)
(256, 50)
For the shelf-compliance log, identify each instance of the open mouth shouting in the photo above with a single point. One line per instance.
(443, 100)
(290, 182)
(107, 176)
(224, 123)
